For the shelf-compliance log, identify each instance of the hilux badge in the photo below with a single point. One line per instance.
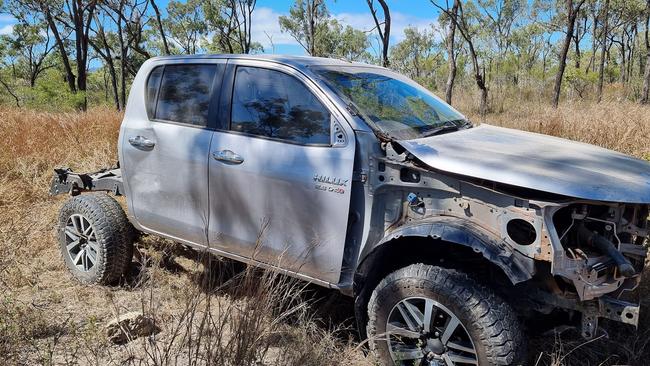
(330, 184)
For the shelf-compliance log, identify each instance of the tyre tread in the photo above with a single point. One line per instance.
(501, 335)
(114, 233)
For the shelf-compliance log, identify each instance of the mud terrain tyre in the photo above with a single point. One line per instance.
(95, 238)
(425, 313)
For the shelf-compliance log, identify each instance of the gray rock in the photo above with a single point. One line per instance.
(129, 326)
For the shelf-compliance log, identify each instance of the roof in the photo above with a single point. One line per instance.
(297, 61)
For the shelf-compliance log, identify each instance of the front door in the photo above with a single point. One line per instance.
(280, 177)
(165, 150)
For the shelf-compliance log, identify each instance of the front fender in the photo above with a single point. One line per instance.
(517, 267)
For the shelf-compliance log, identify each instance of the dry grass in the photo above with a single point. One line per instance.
(206, 309)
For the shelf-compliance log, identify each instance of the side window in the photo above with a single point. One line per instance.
(185, 93)
(273, 104)
(153, 82)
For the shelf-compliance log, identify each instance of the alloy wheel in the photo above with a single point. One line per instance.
(81, 242)
(421, 331)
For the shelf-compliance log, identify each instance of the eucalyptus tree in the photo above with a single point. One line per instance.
(603, 50)
(231, 23)
(348, 43)
(448, 21)
(307, 23)
(68, 21)
(571, 8)
(161, 28)
(414, 55)
(382, 25)
(186, 26)
(468, 24)
(29, 46)
(645, 94)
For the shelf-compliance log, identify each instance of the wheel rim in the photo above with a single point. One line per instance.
(421, 331)
(81, 242)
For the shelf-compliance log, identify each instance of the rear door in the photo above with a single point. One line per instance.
(165, 150)
(280, 177)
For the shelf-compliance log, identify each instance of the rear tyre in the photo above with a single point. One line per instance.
(95, 238)
(427, 315)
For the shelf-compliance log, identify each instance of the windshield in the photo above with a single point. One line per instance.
(396, 106)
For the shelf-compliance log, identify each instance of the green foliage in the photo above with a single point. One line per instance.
(417, 56)
(186, 25)
(515, 41)
(311, 25)
(308, 23)
(347, 43)
(580, 81)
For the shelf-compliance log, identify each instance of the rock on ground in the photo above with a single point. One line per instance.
(129, 326)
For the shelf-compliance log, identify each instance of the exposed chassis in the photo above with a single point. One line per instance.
(67, 181)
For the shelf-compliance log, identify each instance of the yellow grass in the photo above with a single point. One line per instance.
(45, 316)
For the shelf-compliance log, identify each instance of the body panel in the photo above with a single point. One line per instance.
(538, 162)
(166, 185)
(286, 204)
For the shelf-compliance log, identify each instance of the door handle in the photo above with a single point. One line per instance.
(228, 156)
(141, 141)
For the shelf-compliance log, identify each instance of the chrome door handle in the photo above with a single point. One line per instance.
(228, 156)
(141, 141)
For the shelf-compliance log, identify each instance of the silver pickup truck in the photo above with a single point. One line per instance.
(447, 234)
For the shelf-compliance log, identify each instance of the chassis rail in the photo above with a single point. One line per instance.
(66, 181)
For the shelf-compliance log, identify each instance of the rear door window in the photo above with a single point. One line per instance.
(184, 94)
(273, 104)
(153, 83)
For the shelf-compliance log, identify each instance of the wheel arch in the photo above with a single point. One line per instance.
(445, 241)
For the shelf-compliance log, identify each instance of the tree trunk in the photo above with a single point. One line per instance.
(384, 35)
(161, 30)
(571, 20)
(451, 78)
(386, 39)
(123, 57)
(69, 75)
(603, 41)
(312, 27)
(623, 61)
(11, 92)
(107, 55)
(645, 96)
(576, 37)
(592, 58)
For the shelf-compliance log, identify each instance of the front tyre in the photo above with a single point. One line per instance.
(427, 315)
(95, 238)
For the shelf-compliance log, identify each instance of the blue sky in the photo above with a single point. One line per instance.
(404, 13)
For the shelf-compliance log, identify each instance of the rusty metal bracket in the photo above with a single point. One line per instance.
(66, 181)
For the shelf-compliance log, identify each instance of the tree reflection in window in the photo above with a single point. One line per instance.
(273, 104)
(185, 94)
(401, 109)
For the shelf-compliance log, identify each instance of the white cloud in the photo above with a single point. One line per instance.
(399, 22)
(265, 25)
(7, 29)
(7, 18)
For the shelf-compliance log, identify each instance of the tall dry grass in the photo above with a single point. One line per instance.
(208, 311)
(621, 126)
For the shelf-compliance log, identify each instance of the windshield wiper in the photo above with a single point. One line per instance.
(447, 126)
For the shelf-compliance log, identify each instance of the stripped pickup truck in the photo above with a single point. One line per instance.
(447, 234)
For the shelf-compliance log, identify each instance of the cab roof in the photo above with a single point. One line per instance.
(295, 61)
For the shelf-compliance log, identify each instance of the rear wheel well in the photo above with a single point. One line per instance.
(404, 251)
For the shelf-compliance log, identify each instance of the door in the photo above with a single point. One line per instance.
(280, 177)
(165, 150)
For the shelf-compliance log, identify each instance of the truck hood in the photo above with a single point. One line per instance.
(538, 162)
